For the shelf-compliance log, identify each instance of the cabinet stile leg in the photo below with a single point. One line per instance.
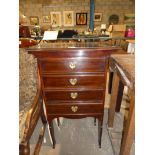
(95, 121)
(58, 121)
(52, 133)
(100, 123)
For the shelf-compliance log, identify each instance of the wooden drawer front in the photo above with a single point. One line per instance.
(72, 65)
(74, 81)
(61, 96)
(75, 109)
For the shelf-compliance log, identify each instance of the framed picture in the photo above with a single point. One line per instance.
(68, 17)
(55, 19)
(97, 17)
(81, 18)
(129, 18)
(34, 20)
(46, 19)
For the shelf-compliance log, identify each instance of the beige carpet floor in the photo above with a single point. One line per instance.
(80, 137)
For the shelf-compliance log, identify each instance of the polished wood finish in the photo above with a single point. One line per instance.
(66, 109)
(73, 82)
(82, 81)
(85, 65)
(24, 31)
(67, 95)
(123, 68)
(25, 42)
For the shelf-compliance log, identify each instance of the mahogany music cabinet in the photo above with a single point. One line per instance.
(73, 82)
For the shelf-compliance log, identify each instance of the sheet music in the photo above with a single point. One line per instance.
(50, 35)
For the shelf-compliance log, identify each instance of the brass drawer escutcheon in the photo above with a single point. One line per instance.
(72, 65)
(74, 108)
(73, 81)
(74, 95)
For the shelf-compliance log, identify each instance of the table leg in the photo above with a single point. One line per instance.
(110, 82)
(119, 96)
(24, 149)
(113, 100)
(129, 132)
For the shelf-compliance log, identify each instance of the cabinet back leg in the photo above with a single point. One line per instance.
(100, 123)
(52, 133)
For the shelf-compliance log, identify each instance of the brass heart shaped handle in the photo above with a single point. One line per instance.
(74, 108)
(73, 81)
(72, 65)
(74, 95)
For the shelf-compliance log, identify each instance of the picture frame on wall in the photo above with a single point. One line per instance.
(97, 17)
(34, 20)
(68, 17)
(46, 19)
(55, 19)
(81, 18)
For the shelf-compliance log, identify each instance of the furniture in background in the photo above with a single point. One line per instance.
(131, 46)
(117, 30)
(30, 100)
(73, 81)
(123, 67)
(32, 116)
(26, 42)
(67, 34)
(24, 31)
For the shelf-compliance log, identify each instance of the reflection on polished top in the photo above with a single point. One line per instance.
(78, 41)
(71, 45)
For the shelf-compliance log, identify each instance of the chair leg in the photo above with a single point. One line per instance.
(100, 123)
(43, 118)
(24, 149)
(52, 133)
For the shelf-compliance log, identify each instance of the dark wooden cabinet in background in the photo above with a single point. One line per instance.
(73, 82)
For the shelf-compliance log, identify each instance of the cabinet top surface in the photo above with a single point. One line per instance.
(70, 46)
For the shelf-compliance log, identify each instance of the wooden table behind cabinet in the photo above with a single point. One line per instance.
(73, 82)
(123, 67)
